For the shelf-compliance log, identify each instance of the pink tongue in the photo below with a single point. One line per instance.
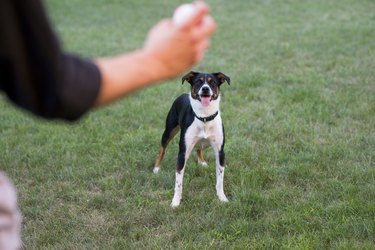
(205, 100)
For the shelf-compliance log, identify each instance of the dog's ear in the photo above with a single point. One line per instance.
(222, 77)
(189, 77)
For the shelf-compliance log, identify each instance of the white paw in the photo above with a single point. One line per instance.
(223, 198)
(202, 163)
(156, 170)
(175, 202)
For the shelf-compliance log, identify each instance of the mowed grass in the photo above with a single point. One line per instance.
(300, 126)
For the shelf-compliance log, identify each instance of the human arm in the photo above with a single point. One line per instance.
(168, 52)
(37, 75)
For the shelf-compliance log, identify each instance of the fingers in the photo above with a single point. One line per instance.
(197, 18)
(203, 45)
(201, 36)
(201, 33)
(201, 48)
(206, 29)
(199, 57)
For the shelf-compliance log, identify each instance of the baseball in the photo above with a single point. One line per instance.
(183, 13)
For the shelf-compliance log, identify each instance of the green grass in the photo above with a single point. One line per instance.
(300, 124)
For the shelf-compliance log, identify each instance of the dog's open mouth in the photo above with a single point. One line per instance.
(205, 100)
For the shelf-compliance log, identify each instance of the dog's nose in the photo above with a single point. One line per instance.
(205, 89)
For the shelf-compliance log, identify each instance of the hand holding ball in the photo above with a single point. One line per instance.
(183, 13)
(195, 26)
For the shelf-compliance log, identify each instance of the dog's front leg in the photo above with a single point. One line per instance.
(186, 145)
(181, 163)
(219, 183)
(178, 188)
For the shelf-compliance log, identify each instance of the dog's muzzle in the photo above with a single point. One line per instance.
(205, 95)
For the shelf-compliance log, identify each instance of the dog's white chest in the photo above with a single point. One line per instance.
(208, 131)
(204, 132)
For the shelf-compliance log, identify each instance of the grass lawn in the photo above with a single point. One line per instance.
(300, 126)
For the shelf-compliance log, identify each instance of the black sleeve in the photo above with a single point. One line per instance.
(34, 71)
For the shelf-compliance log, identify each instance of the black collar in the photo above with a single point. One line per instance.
(208, 118)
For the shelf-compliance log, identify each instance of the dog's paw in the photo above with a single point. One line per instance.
(175, 203)
(223, 198)
(202, 163)
(156, 170)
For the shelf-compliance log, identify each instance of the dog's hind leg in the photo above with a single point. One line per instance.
(171, 129)
(168, 135)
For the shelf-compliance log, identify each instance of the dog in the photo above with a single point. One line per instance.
(197, 116)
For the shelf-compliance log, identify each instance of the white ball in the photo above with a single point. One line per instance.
(183, 13)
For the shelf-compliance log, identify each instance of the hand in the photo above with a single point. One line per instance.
(176, 49)
(168, 52)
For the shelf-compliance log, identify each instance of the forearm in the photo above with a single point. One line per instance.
(127, 73)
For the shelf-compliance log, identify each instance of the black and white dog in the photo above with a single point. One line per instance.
(197, 115)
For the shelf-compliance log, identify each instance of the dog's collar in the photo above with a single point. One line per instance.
(206, 119)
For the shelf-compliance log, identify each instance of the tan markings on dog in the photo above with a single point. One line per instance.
(209, 79)
(194, 92)
(200, 155)
(160, 156)
(202, 79)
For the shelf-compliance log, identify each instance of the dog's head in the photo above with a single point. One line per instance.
(205, 87)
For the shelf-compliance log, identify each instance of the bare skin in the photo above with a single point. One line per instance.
(167, 52)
